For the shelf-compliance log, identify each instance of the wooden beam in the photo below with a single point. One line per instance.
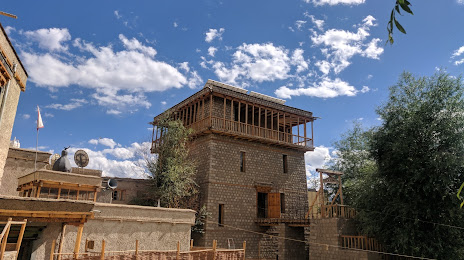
(5, 233)
(20, 237)
(253, 119)
(239, 112)
(211, 105)
(305, 132)
(60, 247)
(77, 245)
(224, 113)
(102, 253)
(52, 250)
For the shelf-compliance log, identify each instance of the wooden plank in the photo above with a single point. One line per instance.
(20, 237)
(102, 253)
(60, 247)
(52, 250)
(4, 237)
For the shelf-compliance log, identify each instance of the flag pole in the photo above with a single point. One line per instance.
(36, 150)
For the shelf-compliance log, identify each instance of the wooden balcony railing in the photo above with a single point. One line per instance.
(333, 211)
(236, 128)
(289, 221)
(360, 242)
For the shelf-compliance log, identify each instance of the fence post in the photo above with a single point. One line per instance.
(214, 249)
(244, 248)
(191, 244)
(178, 251)
(102, 254)
(136, 248)
(52, 251)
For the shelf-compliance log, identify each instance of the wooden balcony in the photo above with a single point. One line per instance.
(245, 131)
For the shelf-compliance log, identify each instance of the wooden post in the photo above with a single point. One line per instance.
(102, 254)
(136, 248)
(246, 118)
(202, 108)
(253, 120)
(52, 251)
(244, 249)
(214, 249)
(178, 251)
(265, 121)
(20, 237)
(38, 191)
(259, 121)
(224, 126)
(85, 245)
(305, 132)
(321, 190)
(312, 134)
(285, 132)
(340, 188)
(191, 244)
(211, 106)
(60, 247)
(298, 131)
(278, 126)
(5, 238)
(77, 245)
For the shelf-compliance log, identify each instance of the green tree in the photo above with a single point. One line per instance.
(419, 155)
(173, 171)
(355, 161)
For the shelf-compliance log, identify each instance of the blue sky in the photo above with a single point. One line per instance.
(100, 70)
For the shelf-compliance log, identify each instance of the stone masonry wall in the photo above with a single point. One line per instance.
(221, 182)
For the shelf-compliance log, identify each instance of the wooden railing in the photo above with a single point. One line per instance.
(245, 130)
(289, 221)
(333, 211)
(211, 253)
(360, 242)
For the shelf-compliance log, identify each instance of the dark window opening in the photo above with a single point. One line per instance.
(262, 205)
(115, 195)
(242, 161)
(221, 215)
(285, 163)
(282, 203)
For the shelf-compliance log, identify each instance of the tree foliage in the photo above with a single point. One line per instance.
(399, 5)
(409, 197)
(174, 172)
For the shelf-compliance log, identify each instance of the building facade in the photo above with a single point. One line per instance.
(249, 149)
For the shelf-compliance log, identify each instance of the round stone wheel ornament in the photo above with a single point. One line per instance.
(81, 158)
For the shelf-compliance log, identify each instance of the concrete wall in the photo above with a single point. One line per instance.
(325, 240)
(221, 182)
(20, 162)
(120, 226)
(9, 111)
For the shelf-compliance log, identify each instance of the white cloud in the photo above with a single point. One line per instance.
(51, 39)
(461, 2)
(113, 112)
(365, 89)
(117, 77)
(213, 34)
(175, 25)
(335, 2)
(49, 115)
(103, 141)
(118, 162)
(74, 103)
(300, 24)
(211, 51)
(339, 46)
(326, 88)
(259, 62)
(457, 53)
(163, 103)
(26, 116)
(316, 159)
(116, 13)
(318, 23)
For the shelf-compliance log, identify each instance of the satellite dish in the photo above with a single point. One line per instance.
(81, 158)
(112, 184)
(53, 159)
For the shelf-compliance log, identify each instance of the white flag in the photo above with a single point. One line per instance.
(39, 119)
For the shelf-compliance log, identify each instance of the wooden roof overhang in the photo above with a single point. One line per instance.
(214, 88)
(45, 210)
(60, 178)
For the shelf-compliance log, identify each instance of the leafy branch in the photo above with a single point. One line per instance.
(400, 4)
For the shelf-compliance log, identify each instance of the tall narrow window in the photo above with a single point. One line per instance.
(242, 161)
(221, 215)
(282, 202)
(285, 163)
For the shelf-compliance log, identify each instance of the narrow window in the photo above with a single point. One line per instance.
(115, 195)
(242, 161)
(282, 203)
(285, 163)
(221, 215)
(262, 205)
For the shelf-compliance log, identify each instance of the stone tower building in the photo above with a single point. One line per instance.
(249, 149)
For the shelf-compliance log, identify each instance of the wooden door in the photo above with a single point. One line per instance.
(274, 205)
